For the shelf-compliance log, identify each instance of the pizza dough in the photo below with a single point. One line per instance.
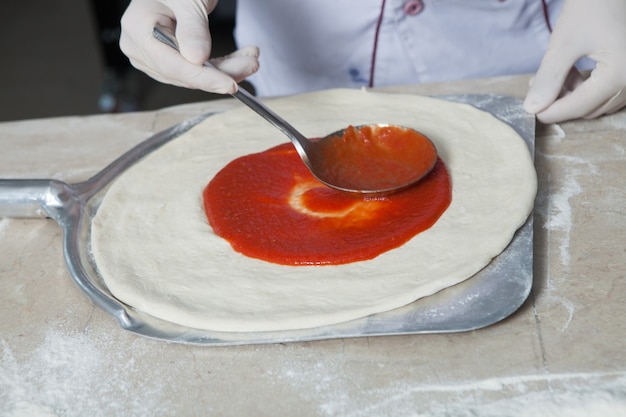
(156, 252)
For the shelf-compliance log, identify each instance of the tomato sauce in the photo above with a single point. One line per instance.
(270, 207)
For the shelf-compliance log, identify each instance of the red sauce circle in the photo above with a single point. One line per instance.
(270, 207)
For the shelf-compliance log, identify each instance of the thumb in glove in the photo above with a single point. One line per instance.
(596, 30)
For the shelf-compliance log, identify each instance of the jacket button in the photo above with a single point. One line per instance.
(413, 7)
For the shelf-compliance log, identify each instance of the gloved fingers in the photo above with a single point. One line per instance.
(168, 66)
(192, 29)
(555, 74)
(595, 96)
(596, 31)
(218, 75)
(572, 81)
(136, 28)
(194, 42)
(240, 64)
(207, 79)
(612, 105)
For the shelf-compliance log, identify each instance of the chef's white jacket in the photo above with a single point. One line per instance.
(317, 44)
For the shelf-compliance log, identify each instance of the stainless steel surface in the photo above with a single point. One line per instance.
(320, 163)
(488, 297)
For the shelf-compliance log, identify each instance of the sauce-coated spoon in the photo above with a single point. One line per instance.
(371, 159)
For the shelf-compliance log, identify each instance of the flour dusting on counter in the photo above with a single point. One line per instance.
(542, 395)
(555, 203)
(560, 215)
(56, 378)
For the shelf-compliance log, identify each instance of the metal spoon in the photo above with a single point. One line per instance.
(345, 165)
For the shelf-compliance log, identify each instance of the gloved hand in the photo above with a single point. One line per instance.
(593, 29)
(188, 19)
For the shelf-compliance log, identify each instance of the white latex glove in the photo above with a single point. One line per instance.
(593, 29)
(188, 19)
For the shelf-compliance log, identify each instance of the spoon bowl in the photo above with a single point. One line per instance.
(372, 160)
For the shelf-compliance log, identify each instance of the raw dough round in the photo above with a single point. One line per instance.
(156, 252)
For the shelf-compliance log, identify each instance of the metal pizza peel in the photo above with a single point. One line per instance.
(488, 297)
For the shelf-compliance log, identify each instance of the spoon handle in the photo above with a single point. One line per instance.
(281, 124)
(301, 143)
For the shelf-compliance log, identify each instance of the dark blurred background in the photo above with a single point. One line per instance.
(61, 57)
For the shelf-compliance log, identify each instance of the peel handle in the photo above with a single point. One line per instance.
(31, 198)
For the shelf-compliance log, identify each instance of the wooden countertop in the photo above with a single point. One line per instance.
(563, 350)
